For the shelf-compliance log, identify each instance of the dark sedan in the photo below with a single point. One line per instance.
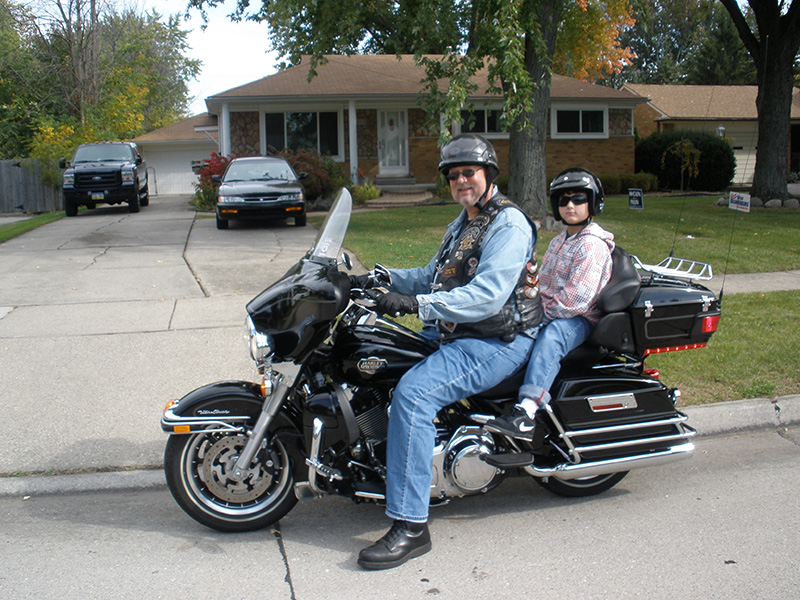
(260, 187)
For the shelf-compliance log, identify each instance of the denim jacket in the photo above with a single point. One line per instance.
(505, 251)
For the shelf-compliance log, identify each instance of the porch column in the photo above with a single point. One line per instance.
(353, 141)
(225, 131)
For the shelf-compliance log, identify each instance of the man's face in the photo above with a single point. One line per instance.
(467, 190)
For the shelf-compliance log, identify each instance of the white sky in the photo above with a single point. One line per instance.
(232, 53)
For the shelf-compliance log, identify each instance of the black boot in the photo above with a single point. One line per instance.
(403, 541)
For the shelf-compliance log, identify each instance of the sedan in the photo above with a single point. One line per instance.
(260, 187)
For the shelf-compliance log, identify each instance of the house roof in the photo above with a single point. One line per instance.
(701, 102)
(385, 75)
(191, 129)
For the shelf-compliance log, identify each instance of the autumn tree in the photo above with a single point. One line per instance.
(514, 40)
(773, 45)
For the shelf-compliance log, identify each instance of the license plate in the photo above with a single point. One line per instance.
(98, 195)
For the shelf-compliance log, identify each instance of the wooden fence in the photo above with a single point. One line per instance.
(23, 189)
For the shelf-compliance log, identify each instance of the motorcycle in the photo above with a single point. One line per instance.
(241, 454)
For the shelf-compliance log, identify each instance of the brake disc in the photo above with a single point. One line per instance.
(218, 465)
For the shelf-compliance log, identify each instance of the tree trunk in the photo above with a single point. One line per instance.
(527, 181)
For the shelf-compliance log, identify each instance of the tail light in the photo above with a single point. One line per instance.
(652, 373)
(710, 324)
(650, 351)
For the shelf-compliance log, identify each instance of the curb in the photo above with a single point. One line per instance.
(708, 419)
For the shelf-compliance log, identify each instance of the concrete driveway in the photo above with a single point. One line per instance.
(106, 316)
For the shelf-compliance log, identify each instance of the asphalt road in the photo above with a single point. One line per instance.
(721, 525)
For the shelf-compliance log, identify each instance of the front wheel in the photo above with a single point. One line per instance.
(585, 486)
(199, 471)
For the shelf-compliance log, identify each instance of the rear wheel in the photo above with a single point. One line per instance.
(585, 486)
(199, 471)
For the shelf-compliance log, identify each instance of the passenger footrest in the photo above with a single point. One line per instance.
(510, 460)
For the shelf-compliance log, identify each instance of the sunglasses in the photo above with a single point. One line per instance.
(576, 199)
(467, 173)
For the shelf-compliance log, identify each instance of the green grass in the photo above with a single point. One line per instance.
(12, 230)
(755, 352)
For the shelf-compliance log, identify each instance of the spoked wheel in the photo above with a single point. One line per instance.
(199, 470)
(585, 486)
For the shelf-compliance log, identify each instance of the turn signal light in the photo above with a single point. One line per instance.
(710, 324)
(182, 428)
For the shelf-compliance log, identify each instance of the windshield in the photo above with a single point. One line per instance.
(248, 170)
(101, 153)
(331, 236)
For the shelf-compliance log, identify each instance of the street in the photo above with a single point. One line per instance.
(721, 525)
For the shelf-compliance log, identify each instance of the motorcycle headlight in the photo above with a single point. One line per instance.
(260, 343)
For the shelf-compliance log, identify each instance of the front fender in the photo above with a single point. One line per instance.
(226, 405)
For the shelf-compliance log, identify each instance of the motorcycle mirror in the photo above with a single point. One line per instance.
(347, 261)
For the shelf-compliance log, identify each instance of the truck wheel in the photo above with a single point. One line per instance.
(145, 198)
(133, 204)
(70, 208)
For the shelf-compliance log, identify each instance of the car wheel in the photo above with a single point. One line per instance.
(222, 223)
(300, 221)
(70, 208)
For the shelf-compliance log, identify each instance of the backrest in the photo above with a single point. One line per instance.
(623, 287)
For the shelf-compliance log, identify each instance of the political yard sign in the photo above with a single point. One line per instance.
(740, 202)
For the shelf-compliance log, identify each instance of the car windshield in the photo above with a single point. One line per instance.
(100, 153)
(259, 171)
(331, 236)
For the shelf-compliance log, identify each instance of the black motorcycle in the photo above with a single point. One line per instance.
(240, 454)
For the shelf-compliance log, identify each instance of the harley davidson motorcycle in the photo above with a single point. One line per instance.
(241, 454)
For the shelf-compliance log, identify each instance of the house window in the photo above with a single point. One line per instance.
(481, 121)
(572, 122)
(318, 131)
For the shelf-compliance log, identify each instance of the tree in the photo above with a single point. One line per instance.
(773, 44)
(514, 40)
(720, 57)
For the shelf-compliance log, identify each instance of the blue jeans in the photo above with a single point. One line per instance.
(456, 370)
(554, 342)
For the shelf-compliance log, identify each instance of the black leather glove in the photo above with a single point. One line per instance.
(359, 281)
(395, 304)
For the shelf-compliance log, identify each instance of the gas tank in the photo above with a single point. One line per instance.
(381, 353)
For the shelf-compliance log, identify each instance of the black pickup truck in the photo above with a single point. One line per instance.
(105, 172)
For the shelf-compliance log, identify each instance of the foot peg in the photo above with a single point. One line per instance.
(510, 460)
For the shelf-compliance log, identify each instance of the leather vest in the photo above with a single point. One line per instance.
(457, 263)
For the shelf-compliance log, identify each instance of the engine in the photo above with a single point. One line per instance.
(457, 467)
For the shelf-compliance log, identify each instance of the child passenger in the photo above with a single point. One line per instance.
(575, 268)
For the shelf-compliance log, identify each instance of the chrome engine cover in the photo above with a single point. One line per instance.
(457, 467)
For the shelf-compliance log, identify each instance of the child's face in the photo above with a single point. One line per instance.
(574, 213)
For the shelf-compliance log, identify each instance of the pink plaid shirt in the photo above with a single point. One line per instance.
(574, 270)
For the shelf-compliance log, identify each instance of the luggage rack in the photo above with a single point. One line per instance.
(680, 268)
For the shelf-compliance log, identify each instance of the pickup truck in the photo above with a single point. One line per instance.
(105, 172)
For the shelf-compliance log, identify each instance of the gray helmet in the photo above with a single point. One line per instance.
(469, 149)
(577, 180)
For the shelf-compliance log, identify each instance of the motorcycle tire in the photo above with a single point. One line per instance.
(198, 470)
(585, 486)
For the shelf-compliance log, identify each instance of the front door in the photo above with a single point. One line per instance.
(393, 142)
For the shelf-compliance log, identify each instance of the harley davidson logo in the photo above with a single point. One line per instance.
(371, 365)
(203, 412)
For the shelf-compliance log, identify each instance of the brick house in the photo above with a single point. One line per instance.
(725, 110)
(363, 111)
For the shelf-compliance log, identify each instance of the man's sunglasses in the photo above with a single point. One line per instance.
(454, 175)
(576, 199)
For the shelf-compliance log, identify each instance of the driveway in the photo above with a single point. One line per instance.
(106, 316)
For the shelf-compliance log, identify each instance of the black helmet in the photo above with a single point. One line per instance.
(470, 149)
(577, 180)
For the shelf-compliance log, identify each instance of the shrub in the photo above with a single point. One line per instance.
(715, 168)
(325, 176)
(612, 184)
(205, 191)
(365, 192)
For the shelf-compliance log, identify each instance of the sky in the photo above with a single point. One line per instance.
(232, 53)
